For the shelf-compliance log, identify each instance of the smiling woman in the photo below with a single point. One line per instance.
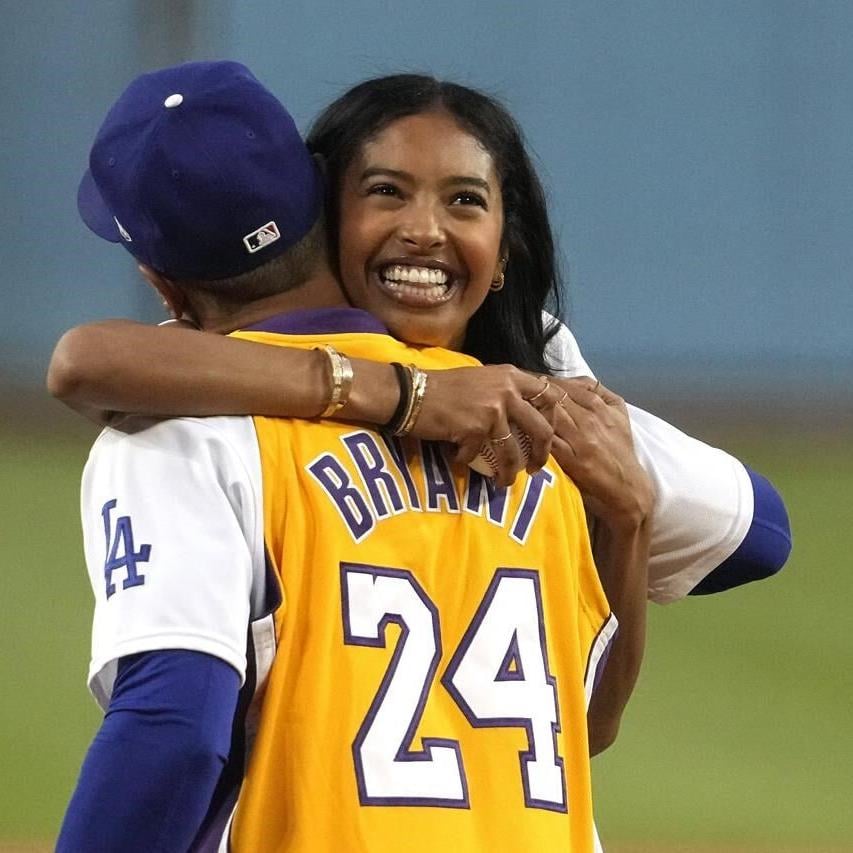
(460, 184)
(423, 223)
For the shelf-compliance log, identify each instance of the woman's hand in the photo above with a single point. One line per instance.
(593, 445)
(472, 406)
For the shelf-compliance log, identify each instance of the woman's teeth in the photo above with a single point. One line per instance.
(415, 275)
(416, 285)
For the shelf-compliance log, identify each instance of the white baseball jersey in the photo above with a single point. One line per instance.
(184, 494)
(704, 500)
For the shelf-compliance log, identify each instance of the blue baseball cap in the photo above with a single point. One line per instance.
(199, 171)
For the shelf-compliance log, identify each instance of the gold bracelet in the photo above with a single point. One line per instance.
(342, 376)
(419, 384)
(418, 393)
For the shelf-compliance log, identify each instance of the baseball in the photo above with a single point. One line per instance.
(485, 462)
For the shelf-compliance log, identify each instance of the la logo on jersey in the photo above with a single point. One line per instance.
(265, 235)
(121, 553)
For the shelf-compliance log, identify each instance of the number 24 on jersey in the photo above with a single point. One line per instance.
(498, 676)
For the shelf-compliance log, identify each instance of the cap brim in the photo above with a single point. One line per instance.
(94, 211)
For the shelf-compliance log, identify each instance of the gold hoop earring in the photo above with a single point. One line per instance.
(498, 281)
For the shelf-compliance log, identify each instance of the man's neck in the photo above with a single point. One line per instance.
(319, 291)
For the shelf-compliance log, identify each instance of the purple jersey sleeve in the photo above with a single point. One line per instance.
(764, 549)
(148, 778)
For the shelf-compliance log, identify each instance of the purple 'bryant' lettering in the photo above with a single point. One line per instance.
(483, 490)
(370, 480)
(533, 494)
(395, 448)
(373, 467)
(438, 479)
(335, 482)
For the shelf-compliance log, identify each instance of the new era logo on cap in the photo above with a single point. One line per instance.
(265, 235)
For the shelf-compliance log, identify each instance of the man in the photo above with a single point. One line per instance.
(361, 569)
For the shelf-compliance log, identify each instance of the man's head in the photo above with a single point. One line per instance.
(200, 173)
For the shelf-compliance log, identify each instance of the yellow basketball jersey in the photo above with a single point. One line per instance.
(436, 644)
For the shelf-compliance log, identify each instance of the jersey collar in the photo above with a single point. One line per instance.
(319, 321)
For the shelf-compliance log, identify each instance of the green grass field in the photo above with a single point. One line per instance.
(741, 728)
(739, 738)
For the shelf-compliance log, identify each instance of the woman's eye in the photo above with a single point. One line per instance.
(383, 189)
(470, 198)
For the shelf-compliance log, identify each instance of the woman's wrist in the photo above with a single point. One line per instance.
(374, 394)
(634, 508)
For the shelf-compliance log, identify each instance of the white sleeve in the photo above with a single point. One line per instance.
(704, 500)
(703, 505)
(562, 352)
(173, 537)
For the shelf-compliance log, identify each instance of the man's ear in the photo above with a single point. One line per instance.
(174, 300)
(320, 163)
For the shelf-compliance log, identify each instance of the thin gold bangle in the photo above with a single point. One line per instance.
(419, 384)
(341, 376)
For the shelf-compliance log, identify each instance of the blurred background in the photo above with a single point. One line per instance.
(698, 160)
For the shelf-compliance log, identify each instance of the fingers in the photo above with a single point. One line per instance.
(467, 451)
(565, 455)
(590, 393)
(506, 455)
(609, 397)
(474, 408)
(545, 395)
(582, 391)
(539, 428)
(532, 394)
(500, 462)
(565, 422)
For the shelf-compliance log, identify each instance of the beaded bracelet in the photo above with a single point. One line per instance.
(342, 376)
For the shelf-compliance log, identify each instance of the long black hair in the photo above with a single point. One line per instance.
(508, 327)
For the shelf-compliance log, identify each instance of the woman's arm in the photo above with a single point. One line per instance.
(621, 557)
(114, 367)
(117, 367)
(593, 445)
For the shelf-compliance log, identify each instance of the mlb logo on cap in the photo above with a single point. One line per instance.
(265, 235)
(188, 162)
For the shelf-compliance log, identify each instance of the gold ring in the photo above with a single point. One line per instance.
(563, 398)
(500, 442)
(539, 393)
(595, 387)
